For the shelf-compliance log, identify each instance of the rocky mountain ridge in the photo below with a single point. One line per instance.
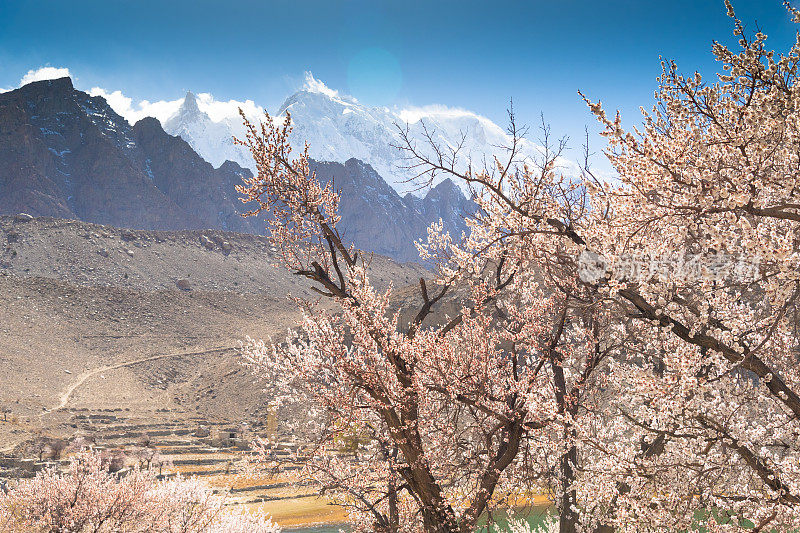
(66, 154)
(69, 155)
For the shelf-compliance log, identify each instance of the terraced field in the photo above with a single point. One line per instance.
(212, 450)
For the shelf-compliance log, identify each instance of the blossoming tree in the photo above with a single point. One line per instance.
(457, 416)
(711, 174)
(90, 498)
(628, 346)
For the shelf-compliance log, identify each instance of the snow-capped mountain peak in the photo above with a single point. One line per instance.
(212, 140)
(338, 127)
(189, 110)
(313, 85)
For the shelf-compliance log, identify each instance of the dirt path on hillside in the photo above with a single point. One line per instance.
(81, 379)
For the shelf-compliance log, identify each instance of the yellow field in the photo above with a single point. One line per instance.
(302, 511)
(296, 505)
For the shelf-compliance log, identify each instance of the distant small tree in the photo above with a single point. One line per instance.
(144, 440)
(50, 449)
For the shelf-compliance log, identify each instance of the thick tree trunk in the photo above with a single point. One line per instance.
(394, 514)
(433, 522)
(568, 516)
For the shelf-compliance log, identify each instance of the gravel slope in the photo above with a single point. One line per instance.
(85, 302)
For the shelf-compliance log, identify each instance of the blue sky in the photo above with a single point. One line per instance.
(468, 54)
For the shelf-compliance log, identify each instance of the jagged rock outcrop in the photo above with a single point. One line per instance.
(377, 219)
(191, 182)
(66, 154)
(445, 201)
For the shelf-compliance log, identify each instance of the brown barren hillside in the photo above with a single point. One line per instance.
(142, 322)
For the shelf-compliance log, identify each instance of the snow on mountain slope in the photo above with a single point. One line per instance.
(212, 140)
(337, 127)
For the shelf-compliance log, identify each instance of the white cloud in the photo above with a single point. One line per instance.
(118, 101)
(162, 109)
(219, 110)
(414, 114)
(44, 73)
